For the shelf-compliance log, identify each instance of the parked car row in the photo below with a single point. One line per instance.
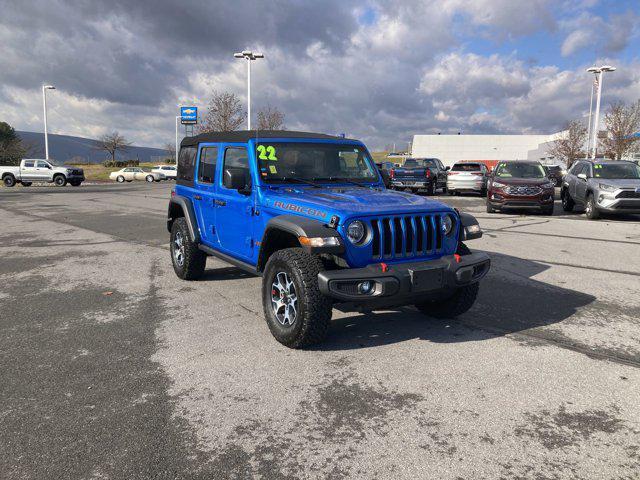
(157, 174)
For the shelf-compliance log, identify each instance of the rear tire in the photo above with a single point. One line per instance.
(461, 301)
(591, 209)
(9, 181)
(75, 184)
(292, 271)
(431, 189)
(188, 260)
(59, 180)
(567, 201)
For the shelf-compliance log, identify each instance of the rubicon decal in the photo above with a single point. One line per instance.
(297, 208)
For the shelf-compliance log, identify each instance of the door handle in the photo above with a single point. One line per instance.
(197, 197)
(220, 203)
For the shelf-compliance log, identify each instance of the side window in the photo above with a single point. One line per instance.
(186, 164)
(576, 169)
(207, 166)
(235, 157)
(29, 164)
(42, 165)
(587, 170)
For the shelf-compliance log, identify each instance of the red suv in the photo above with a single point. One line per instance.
(519, 184)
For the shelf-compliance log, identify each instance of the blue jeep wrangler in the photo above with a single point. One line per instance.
(310, 214)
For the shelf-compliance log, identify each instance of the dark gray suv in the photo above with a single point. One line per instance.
(602, 186)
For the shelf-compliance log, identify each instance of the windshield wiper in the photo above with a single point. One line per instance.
(299, 180)
(336, 179)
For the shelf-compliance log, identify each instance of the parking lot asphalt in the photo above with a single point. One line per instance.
(112, 367)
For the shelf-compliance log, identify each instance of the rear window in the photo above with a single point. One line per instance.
(413, 163)
(466, 167)
(186, 164)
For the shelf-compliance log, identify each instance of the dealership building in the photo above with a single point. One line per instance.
(455, 148)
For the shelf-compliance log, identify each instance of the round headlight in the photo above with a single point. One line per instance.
(356, 232)
(447, 224)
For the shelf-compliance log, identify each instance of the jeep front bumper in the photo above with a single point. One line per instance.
(403, 284)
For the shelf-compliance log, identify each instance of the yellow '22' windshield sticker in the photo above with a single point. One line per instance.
(267, 153)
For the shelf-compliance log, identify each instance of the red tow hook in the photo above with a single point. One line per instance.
(457, 257)
(384, 267)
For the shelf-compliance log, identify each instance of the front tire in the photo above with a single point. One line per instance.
(567, 201)
(150, 179)
(188, 260)
(490, 208)
(297, 313)
(461, 301)
(120, 179)
(59, 180)
(75, 184)
(591, 209)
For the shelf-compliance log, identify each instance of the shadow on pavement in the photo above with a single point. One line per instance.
(509, 301)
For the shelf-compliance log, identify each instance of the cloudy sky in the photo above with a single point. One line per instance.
(378, 70)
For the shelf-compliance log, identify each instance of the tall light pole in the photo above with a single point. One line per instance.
(598, 71)
(44, 107)
(249, 56)
(177, 148)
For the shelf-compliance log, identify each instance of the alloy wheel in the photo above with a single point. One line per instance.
(284, 299)
(178, 249)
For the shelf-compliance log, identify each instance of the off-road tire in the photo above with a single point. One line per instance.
(567, 201)
(591, 209)
(75, 184)
(313, 310)
(60, 180)
(26, 184)
(457, 304)
(120, 179)
(194, 260)
(9, 181)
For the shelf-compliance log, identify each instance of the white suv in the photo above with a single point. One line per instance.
(168, 171)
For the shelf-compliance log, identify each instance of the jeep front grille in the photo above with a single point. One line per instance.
(523, 190)
(406, 236)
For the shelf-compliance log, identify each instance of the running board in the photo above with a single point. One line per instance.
(233, 261)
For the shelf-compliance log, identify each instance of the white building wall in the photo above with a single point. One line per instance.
(453, 148)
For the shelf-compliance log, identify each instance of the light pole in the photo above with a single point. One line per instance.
(177, 117)
(249, 56)
(598, 71)
(44, 107)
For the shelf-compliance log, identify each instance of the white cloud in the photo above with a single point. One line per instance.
(594, 32)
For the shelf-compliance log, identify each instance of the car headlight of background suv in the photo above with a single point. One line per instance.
(606, 188)
(498, 185)
(356, 232)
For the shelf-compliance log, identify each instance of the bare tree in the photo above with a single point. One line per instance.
(270, 118)
(224, 113)
(569, 146)
(621, 121)
(171, 148)
(112, 143)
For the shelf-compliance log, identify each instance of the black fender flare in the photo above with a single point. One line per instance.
(297, 227)
(469, 227)
(185, 205)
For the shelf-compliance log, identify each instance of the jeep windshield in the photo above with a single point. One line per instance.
(520, 170)
(621, 170)
(314, 162)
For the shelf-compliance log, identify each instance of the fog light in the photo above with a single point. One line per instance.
(365, 288)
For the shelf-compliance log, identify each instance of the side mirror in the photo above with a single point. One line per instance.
(582, 176)
(235, 179)
(447, 167)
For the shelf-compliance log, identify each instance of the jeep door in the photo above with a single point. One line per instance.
(234, 209)
(204, 196)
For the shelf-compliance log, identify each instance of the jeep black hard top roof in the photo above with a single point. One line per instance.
(245, 135)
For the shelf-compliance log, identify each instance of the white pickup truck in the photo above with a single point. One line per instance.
(37, 170)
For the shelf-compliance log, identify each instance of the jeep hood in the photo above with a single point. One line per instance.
(350, 201)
